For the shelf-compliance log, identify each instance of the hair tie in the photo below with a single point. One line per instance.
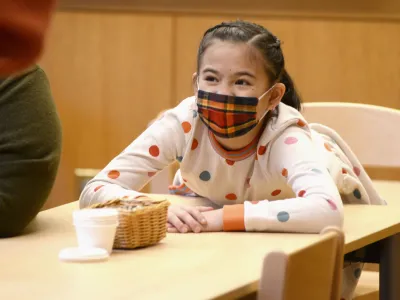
(276, 44)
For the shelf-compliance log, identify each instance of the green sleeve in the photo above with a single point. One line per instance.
(30, 148)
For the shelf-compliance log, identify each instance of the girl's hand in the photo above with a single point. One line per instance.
(214, 221)
(187, 218)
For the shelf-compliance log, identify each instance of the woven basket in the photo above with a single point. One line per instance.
(141, 222)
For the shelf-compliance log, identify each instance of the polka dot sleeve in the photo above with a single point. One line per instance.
(297, 160)
(152, 151)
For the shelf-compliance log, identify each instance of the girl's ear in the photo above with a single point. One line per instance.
(276, 96)
(194, 82)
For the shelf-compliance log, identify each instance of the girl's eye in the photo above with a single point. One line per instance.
(211, 79)
(242, 82)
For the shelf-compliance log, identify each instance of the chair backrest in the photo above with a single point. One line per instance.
(311, 273)
(371, 131)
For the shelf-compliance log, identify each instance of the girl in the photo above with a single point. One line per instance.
(240, 138)
(241, 142)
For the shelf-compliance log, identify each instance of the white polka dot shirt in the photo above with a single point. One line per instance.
(279, 182)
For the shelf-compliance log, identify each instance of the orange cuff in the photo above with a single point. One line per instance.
(233, 217)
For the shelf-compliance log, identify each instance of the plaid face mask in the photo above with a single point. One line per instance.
(228, 116)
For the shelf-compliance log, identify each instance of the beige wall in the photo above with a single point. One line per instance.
(112, 72)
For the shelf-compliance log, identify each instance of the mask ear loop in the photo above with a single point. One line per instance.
(197, 82)
(259, 98)
(266, 112)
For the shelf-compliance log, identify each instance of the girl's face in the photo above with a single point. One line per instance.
(235, 69)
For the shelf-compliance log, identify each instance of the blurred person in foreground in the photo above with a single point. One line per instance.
(30, 130)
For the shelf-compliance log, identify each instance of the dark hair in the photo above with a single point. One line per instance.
(263, 40)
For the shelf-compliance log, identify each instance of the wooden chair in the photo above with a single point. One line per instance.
(370, 131)
(312, 273)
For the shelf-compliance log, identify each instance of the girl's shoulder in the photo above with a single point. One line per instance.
(286, 120)
(185, 111)
(179, 121)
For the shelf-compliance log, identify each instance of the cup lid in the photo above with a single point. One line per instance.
(103, 213)
(78, 254)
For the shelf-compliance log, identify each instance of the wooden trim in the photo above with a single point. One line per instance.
(388, 10)
(174, 62)
(383, 173)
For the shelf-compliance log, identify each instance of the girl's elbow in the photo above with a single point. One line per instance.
(336, 219)
(334, 213)
(331, 218)
(84, 198)
(82, 202)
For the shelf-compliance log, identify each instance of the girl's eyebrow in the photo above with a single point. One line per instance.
(245, 73)
(211, 70)
(241, 73)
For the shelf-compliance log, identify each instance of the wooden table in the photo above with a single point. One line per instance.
(182, 266)
(388, 190)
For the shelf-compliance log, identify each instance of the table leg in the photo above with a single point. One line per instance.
(389, 269)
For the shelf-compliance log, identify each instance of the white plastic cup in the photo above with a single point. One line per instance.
(96, 236)
(96, 228)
